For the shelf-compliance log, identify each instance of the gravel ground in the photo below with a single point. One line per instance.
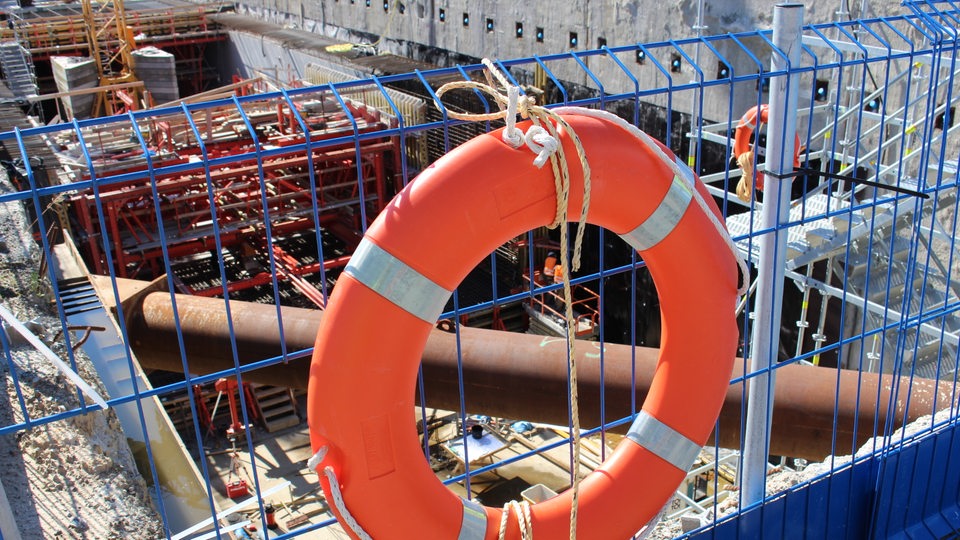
(72, 478)
(780, 480)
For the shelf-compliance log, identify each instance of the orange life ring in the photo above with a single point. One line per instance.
(748, 123)
(362, 382)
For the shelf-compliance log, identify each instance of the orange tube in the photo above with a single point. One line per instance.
(362, 377)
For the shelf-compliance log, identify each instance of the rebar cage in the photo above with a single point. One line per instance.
(243, 210)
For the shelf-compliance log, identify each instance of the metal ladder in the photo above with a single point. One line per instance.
(18, 70)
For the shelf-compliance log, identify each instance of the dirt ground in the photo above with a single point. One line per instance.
(72, 478)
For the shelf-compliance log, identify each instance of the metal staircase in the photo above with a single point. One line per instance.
(18, 70)
(78, 296)
(868, 236)
(880, 273)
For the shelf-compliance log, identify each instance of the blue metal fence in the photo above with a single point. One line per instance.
(869, 336)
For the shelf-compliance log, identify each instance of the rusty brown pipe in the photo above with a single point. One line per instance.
(512, 375)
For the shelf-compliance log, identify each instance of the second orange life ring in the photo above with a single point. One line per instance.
(741, 140)
(362, 382)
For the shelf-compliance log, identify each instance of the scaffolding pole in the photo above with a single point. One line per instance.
(765, 341)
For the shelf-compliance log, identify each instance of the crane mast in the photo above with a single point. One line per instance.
(111, 43)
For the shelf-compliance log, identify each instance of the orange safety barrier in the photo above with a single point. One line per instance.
(362, 377)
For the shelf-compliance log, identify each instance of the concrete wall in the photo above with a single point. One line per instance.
(620, 22)
(252, 56)
(408, 25)
(418, 32)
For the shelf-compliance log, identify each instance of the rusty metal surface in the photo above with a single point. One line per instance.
(523, 376)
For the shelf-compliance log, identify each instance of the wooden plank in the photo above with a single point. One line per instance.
(205, 96)
(83, 91)
(297, 521)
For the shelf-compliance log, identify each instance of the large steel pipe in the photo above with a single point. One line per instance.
(524, 376)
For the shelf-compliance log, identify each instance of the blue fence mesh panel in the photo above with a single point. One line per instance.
(215, 232)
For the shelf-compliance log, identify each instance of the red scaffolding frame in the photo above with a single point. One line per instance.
(242, 203)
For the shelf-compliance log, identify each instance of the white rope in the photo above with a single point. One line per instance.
(315, 459)
(522, 509)
(541, 143)
(511, 135)
(543, 139)
(346, 518)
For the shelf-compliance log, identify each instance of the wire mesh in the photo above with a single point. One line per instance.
(246, 208)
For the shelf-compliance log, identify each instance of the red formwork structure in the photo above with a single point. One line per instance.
(60, 30)
(129, 216)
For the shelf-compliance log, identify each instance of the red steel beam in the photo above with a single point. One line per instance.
(119, 202)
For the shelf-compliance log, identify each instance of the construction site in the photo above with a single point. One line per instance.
(186, 184)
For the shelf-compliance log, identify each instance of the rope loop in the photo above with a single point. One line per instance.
(541, 143)
(347, 519)
(512, 135)
(315, 459)
(525, 524)
(510, 105)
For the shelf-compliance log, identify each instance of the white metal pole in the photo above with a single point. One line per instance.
(696, 123)
(765, 341)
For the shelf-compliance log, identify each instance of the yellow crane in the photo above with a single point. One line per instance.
(111, 43)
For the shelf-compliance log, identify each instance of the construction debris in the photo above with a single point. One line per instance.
(73, 477)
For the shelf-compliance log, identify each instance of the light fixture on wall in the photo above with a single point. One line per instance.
(821, 90)
(723, 70)
(938, 122)
(763, 82)
(676, 63)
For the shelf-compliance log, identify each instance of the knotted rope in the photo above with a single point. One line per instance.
(745, 185)
(543, 138)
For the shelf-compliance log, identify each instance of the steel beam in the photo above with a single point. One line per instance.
(521, 376)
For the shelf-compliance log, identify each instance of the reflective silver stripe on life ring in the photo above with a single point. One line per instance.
(474, 524)
(666, 216)
(663, 441)
(392, 279)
